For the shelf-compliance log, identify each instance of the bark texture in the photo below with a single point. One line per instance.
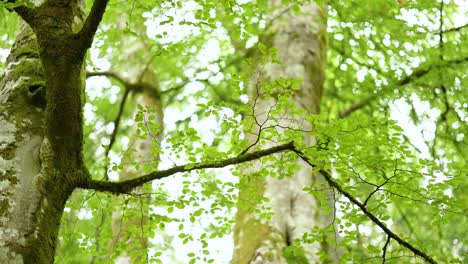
(22, 105)
(40, 133)
(300, 40)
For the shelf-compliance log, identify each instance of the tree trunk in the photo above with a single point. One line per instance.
(22, 105)
(300, 40)
(129, 222)
(40, 139)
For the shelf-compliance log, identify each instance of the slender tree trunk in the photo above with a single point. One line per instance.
(130, 222)
(300, 40)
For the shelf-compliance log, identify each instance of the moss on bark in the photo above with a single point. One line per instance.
(41, 98)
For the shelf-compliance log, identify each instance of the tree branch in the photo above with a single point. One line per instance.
(109, 74)
(356, 106)
(138, 87)
(128, 185)
(23, 11)
(129, 87)
(384, 249)
(91, 24)
(418, 73)
(454, 29)
(115, 131)
(363, 208)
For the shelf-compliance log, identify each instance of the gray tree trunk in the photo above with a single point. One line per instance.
(22, 105)
(300, 40)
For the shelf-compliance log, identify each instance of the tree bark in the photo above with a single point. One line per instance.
(22, 120)
(300, 40)
(40, 118)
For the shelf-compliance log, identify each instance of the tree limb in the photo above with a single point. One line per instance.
(418, 73)
(356, 106)
(129, 87)
(128, 185)
(91, 24)
(384, 249)
(138, 87)
(23, 11)
(110, 75)
(454, 29)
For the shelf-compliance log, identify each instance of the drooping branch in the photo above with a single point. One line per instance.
(364, 209)
(91, 24)
(128, 185)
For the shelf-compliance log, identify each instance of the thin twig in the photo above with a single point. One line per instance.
(384, 249)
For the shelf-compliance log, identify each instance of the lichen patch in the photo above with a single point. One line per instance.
(7, 133)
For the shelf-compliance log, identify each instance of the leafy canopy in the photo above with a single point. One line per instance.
(392, 129)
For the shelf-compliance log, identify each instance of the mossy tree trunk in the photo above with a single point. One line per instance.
(41, 128)
(300, 41)
(22, 121)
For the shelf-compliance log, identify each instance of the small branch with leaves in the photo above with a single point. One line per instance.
(129, 185)
(366, 211)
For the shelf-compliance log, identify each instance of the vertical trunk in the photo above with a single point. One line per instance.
(22, 105)
(300, 40)
(40, 145)
(129, 227)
